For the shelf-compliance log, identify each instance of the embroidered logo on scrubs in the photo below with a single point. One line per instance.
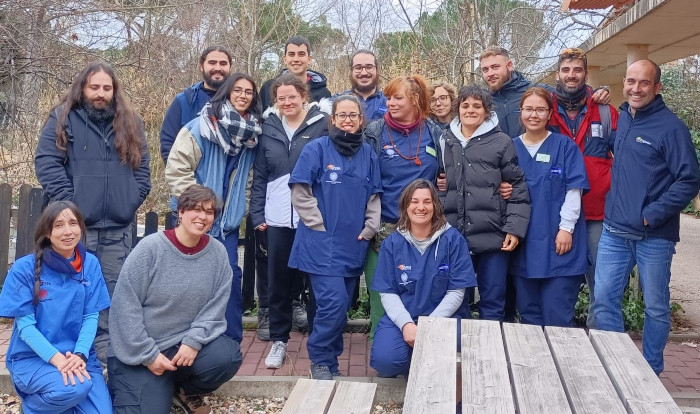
(555, 170)
(444, 267)
(642, 141)
(389, 151)
(43, 293)
(333, 176)
(404, 279)
(404, 267)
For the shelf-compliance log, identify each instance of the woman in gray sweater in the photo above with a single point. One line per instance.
(168, 322)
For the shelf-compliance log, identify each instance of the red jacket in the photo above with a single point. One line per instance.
(596, 144)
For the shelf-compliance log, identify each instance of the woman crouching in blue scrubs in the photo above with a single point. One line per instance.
(423, 269)
(55, 296)
(335, 189)
(550, 264)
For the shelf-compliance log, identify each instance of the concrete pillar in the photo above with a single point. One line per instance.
(636, 52)
(594, 76)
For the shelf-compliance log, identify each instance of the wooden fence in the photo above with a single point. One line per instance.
(29, 206)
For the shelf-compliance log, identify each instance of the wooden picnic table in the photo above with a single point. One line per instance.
(509, 368)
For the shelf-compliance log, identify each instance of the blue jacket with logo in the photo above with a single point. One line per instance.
(655, 172)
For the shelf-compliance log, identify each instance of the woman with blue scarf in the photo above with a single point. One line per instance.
(217, 150)
(55, 296)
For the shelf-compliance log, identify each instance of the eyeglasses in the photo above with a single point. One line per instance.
(241, 91)
(442, 98)
(290, 98)
(368, 68)
(527, 111)
(353, 116)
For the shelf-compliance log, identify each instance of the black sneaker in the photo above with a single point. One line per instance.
(320, 372)
(264, 324)
(299, 320)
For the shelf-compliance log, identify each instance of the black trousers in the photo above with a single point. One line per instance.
(281, 283)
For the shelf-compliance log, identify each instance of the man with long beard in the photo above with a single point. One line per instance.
(215, 65)
(93, 151)
(364, 79)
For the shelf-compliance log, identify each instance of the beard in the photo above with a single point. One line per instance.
(365, 88)
(214, 83)
(99, 115)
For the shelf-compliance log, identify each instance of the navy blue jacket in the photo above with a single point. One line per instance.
(107, 191)
(182, 110)
(506, 104)
(655, 172)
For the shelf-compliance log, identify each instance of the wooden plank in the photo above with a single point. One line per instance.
(538, 388)
(30, 203)
(5, 211)
(432, 380)
(586, 382)
(353, 398)
(485, 379)
(637, 386)
(309, 397)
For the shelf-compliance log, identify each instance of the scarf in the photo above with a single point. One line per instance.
(402, 128)
(240, 132)
(571, 101)
(62, 265)
(346, 143)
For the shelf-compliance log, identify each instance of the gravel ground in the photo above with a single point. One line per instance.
(10, 404)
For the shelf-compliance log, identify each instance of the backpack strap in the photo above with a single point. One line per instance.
(605, 120)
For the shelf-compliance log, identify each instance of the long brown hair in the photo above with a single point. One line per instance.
(127, 133)
(41, 237)
(436, 222)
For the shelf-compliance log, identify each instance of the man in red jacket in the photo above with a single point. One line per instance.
(592, 126)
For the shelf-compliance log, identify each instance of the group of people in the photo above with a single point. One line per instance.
(429, 191)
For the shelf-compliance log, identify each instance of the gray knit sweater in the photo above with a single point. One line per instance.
(164, 297)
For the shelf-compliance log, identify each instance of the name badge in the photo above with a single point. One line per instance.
(542, 157)
(431, 151)
(597, 130)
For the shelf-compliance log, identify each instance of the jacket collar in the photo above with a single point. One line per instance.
(656, 105)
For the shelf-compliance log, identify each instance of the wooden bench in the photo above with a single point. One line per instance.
(509, 368)
(330, 397)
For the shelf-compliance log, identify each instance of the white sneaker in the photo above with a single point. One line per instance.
(276, 356)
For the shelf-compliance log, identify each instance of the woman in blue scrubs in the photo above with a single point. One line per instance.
(405, 140)
(55, 296)
(423, 269)
(550, 264)
(335, 189)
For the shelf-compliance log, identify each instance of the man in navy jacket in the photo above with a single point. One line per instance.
(655, 175)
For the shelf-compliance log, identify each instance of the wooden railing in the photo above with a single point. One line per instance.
(28, 210)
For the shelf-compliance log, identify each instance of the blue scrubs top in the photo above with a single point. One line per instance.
(63, 303)
(422, 280)
(556, 168)
(397, 172)
(342, 185)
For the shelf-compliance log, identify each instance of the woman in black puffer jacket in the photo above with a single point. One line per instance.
(476, 157)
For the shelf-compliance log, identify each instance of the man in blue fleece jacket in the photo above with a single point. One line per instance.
(655, 175)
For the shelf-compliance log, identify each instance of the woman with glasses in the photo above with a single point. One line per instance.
(335, 190)
(477, 157)
(405, 140)
(285, 132)
(442, 98)
(217, 150)
(550, 265)
(55, 296)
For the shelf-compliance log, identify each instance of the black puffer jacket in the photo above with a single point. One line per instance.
(472, 202)
(270, 200)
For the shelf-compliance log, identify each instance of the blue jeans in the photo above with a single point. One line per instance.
(617, 256)
(234, 306)
(594, 229)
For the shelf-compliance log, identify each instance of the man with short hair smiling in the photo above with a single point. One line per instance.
(215, 66)
(364, 81)
(592, 127)
(654, 176)
(297, 58)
